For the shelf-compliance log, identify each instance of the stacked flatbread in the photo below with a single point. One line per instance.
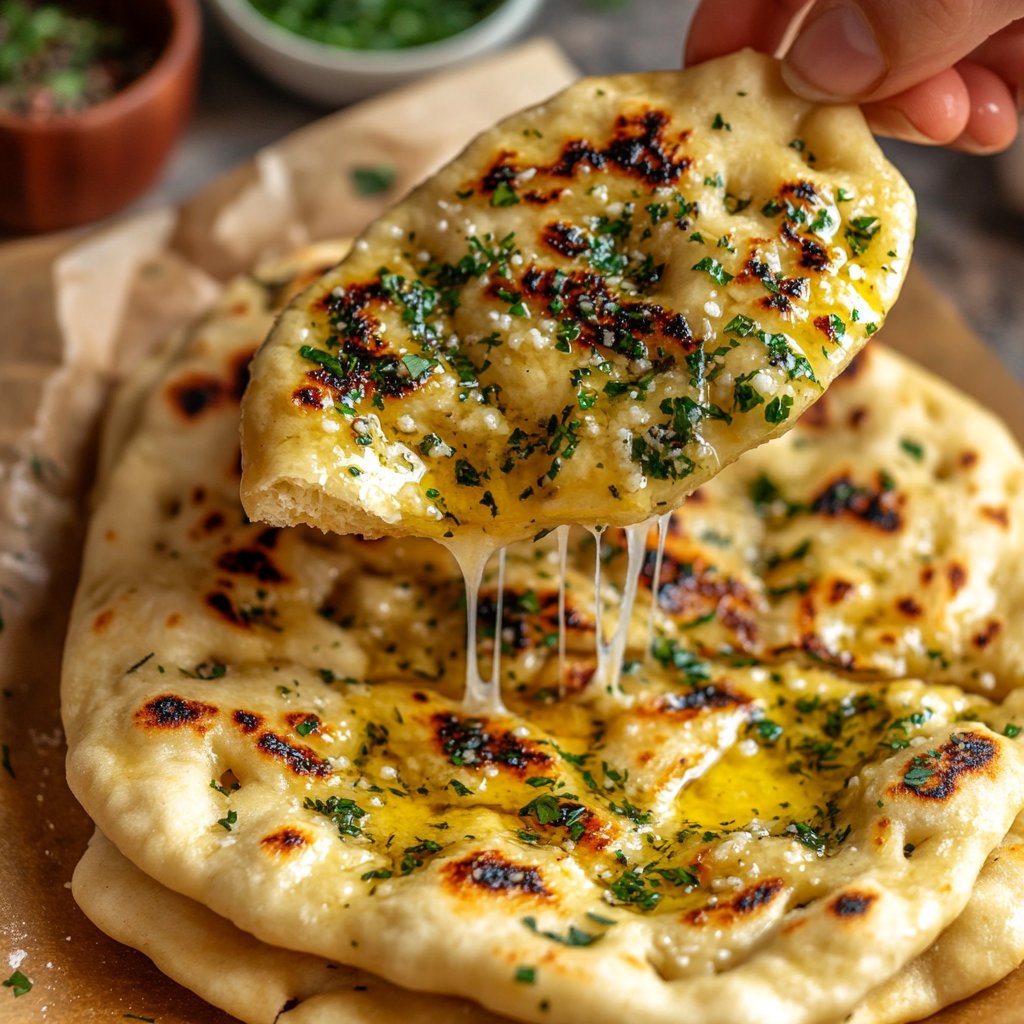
(798, 801)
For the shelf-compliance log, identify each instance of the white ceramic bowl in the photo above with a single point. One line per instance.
(330, 75)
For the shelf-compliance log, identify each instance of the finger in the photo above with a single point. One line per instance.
(969, 108)
(994, 120)
(935, 112)
(876, 49)
(1004, 54)
(724, 26)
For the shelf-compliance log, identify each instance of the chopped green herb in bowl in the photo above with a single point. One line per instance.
(333, 51)
(55, 60)
(376, 24)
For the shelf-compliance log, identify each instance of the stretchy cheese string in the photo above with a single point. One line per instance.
(562, 539)
(472, 554)
(663, 525)
(499, 615)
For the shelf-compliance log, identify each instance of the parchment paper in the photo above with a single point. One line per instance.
(76, 313)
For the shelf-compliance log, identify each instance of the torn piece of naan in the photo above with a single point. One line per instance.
(600, 303)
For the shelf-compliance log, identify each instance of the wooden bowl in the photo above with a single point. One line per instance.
(69, 170)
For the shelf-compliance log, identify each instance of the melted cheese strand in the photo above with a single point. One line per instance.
(636, 550)
(499, 615)
(602, 650)
(663, 524)
(471, 554)
(562, 538)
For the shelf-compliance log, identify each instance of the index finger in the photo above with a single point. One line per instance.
(724, 26)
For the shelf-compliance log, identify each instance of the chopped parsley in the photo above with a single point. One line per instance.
(574, 937)
(418, 366)
(18, 983)
(139, 663)
(344, 813)
(504, 195)
(205, 670)
(714, 270)
(777, 410)
(373, 181)
(859, 233)
(913, 448)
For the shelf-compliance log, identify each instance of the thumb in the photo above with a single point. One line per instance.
(872, 49)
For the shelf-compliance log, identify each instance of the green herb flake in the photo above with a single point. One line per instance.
(525, 975)
(913, 448)
(18, 983)
(418, 366)
(206, 671)
(228, 821)
(746, 396)
(466, 474)
(504, 195)
(860, 232)
(373, 181)
(768, 730)
(574, 937)
(344, 813)
(138, 664)
(714, 270)
(1010, 730)
(488, 502)
(777, 410)
(718, 124)
(807, 836)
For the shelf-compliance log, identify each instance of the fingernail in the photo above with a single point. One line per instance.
(835, 56)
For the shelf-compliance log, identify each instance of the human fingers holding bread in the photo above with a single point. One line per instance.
(940, 72)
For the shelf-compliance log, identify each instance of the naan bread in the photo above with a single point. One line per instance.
(882, 536)
(984, 944)
(262, 984)
(711, 839)
(599, 304)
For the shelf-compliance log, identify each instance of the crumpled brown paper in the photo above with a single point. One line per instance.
(76, 313)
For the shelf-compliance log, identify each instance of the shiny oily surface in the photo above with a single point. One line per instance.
(600, 303)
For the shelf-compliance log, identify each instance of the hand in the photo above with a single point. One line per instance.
(940, 72)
